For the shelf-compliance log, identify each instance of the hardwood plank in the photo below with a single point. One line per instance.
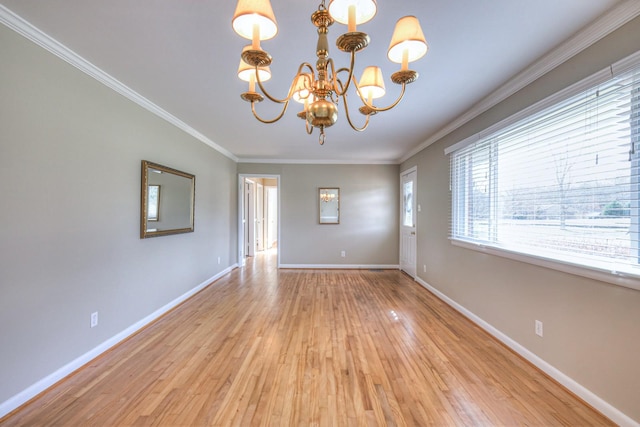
(269, 347)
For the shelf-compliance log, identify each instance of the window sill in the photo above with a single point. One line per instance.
(624, 279)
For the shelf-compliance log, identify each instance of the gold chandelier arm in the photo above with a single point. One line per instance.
(291, 87)
(334, 74)
(260, 119)
(379, 109)
(346, 110)
(308, 127)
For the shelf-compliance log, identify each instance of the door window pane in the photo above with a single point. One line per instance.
(407, 212)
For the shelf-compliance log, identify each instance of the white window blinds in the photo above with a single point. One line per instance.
(561, 184)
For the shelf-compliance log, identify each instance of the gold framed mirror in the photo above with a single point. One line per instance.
(167, 201)
(329, 205)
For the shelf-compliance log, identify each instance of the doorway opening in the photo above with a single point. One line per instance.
(259, 219)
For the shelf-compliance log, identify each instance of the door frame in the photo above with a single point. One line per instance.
(241, 180)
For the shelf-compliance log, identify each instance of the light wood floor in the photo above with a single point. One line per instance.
(309, 347)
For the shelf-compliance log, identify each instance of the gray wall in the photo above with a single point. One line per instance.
(591, 329)
(70, 164)
(369, 209)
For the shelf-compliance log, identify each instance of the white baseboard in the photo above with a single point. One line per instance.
(342, 266)
(585, 394)
(40, 386)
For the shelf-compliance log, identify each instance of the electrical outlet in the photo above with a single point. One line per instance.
(218, 260)
(94, 319)
(538, 328)
(424, 268)
(343, 254)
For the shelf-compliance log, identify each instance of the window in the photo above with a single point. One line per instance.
(561, 184)
(153, 202)
(407, 211)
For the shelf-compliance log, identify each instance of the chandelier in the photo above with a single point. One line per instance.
(327, 197)
(321, 87)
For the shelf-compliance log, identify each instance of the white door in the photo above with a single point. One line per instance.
(249, 221)
(260, 222)
(408, 221)
(272, 216)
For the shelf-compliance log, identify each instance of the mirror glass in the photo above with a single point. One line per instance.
(329, 205)
(167, 200)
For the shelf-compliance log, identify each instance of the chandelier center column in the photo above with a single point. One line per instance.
(322, 113)
(322, 20)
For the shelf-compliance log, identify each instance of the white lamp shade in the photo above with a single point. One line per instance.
(371, 83)
(301, 92)
(246, 72)
(365, 10)
(408, 37)
(254, 12)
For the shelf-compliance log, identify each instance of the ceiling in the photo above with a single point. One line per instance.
(183, 56)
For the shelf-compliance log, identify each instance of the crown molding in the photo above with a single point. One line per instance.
(27, 30)
(598, 29)
(318, 161)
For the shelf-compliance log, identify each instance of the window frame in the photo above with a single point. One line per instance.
(559, 263)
